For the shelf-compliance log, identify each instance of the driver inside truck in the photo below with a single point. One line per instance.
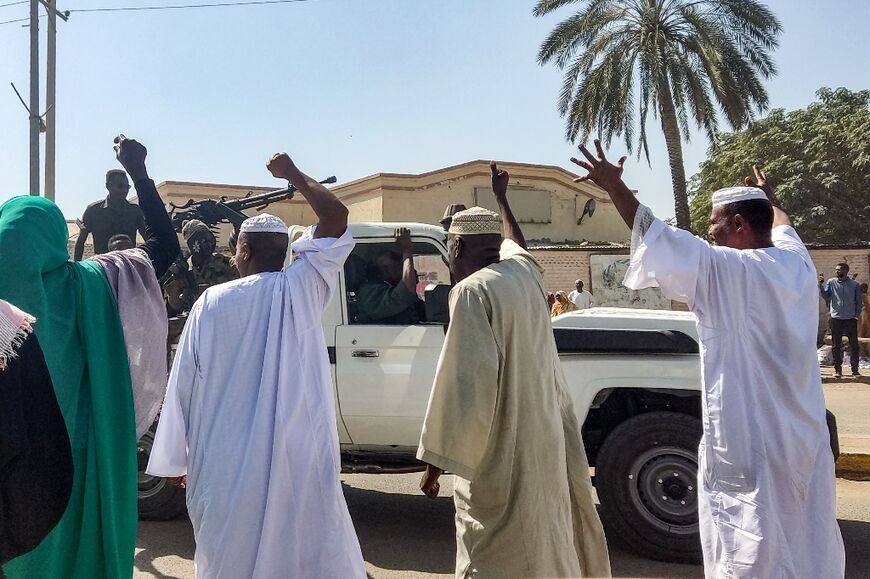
(391, 297)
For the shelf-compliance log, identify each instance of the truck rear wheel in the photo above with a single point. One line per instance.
(158, 500)
(646, 478)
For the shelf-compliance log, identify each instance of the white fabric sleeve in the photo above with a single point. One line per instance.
(643, 220)
(665, 257)
(316, 264)
(169, 452)
(786, 238)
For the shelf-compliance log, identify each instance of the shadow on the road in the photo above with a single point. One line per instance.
(856, 536)
(403, 532)
(163, 539)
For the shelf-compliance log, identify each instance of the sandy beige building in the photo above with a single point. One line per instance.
(546, 201)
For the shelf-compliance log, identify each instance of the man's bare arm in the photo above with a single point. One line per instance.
(510, 227)
(331, 213)
(780, 217)
(79, 251)
(409, 273)
(609, 177)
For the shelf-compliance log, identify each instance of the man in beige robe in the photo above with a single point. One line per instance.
(500, 418)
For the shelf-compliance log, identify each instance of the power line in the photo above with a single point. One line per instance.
(16, 20)
(157, 8)
(185, 6)
(13, 3)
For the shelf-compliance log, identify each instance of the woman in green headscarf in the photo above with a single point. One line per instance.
(86, 350)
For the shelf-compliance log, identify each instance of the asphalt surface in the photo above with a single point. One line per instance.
(404, 534)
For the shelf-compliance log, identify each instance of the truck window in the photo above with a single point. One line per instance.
(374, 292)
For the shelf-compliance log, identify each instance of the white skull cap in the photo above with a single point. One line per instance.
(476, 221)
(735, 194)
(263, 223)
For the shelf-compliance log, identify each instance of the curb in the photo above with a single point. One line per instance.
(854, 467)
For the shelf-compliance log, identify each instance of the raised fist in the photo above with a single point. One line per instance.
(280, 165)
(131, 154)
(500, 179)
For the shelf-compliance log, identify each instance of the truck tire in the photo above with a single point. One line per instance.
(158, 500)
(646, 478)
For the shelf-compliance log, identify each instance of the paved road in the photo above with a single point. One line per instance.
(849, 400)
(404, 534)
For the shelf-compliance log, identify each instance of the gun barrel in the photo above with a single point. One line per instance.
(230, 210)
(270, 196)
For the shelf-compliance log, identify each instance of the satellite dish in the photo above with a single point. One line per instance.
(588, 209)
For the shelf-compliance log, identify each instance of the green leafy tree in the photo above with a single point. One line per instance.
(818, 158)
(679, 59)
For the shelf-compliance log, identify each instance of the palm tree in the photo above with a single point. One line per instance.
(682, 58)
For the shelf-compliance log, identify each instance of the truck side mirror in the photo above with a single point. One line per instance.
(437, 304)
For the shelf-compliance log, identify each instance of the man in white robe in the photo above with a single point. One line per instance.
(249, 415)
(500, 418)
(767, 505)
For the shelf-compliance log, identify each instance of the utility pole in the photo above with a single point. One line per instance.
(50, 103)
(51, 75)
(35, 121)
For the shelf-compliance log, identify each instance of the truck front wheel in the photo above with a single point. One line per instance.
(158, 500)
(646, 478)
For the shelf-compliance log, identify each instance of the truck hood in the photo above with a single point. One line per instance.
(629, 319)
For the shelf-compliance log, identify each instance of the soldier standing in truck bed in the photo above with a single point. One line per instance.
(110, 216)
(204, 268)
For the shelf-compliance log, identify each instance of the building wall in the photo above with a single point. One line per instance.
(545, 199)
(826, 261)
(369, 207)
(427, 205)
(563, 268)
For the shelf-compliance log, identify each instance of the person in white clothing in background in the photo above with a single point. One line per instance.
(581, 298)
(249, 415)
(767, 500)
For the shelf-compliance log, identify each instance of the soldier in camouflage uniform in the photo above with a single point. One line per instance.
(203, 269)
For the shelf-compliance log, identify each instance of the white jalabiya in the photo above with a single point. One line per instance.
(249, 416)
(768, 505)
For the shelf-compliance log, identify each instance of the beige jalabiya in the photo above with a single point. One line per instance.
(501, 420)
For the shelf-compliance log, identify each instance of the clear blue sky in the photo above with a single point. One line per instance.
(347, 87)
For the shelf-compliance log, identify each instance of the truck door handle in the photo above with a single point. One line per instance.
(365, 354)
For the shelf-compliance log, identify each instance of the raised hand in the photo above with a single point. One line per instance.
(780, 217)
(760, 181)
(281, 166)
(500, 179)
(403, 236)
(609, 177)
(131, 154)
(601, 172)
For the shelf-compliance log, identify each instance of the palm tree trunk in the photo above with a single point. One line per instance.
(673, 141)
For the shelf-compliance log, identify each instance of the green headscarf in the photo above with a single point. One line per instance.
(80, 332)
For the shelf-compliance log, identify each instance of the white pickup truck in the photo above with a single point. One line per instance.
(634, 376)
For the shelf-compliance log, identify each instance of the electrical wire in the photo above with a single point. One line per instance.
(157, 8)
(184, 6)
(16, 20)
(14, 3)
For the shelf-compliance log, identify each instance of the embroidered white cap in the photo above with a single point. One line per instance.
(263, 223)
(476, 221)
(735, 194)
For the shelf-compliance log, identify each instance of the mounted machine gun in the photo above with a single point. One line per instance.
(213, 212)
